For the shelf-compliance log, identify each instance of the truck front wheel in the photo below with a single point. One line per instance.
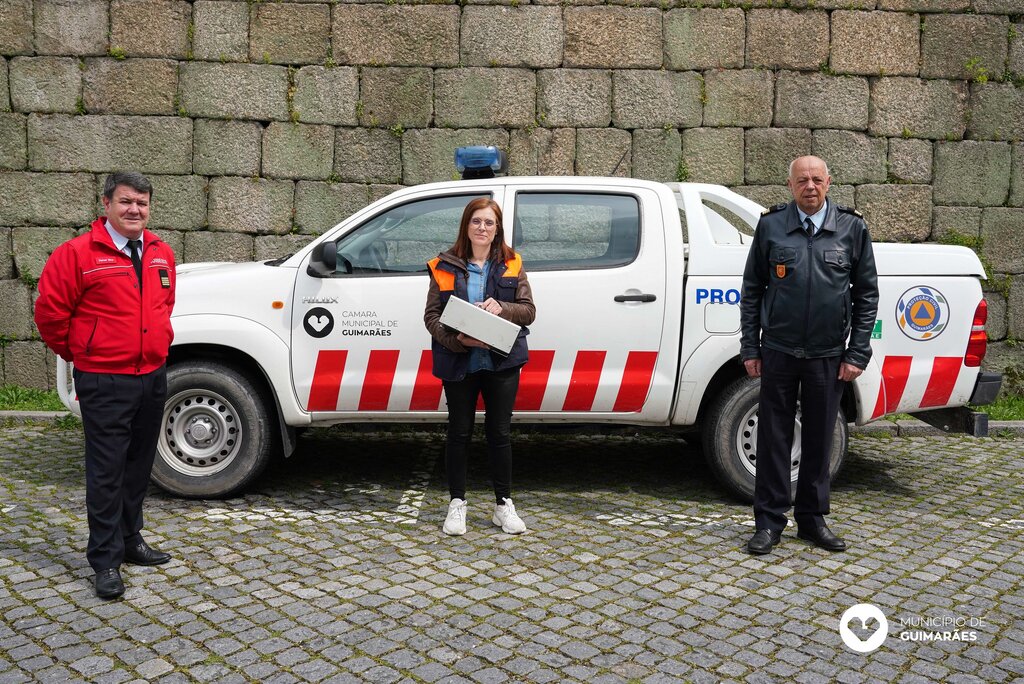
(216, 435)
(730, 439)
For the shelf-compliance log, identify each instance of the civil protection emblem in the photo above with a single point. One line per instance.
(922, 313)
(780, 270)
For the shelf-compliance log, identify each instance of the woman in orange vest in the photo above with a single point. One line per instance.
(481, 269)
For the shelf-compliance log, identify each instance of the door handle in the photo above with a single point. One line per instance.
(635, 298)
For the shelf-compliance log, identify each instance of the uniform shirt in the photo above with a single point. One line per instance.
(479, 358)
(817, 218)
(120, 241)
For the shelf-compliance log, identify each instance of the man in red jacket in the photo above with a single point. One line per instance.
(105, 300)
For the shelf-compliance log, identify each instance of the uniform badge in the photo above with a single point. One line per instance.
(780, 270)
(165, 279)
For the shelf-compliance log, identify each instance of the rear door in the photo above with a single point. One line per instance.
(596, 259)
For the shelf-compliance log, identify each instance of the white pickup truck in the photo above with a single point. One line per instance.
(636, 285)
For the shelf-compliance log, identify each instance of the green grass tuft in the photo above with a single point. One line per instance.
(1010, 407)
(15, 398)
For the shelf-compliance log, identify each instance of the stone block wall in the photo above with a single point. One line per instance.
(262, 123)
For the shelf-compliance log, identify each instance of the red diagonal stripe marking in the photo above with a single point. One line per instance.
(533, 380)
(586, 374)
(380, 375)
(323, 393)
(636, 381)
(895, 371)
(426, 392)
(945, 370)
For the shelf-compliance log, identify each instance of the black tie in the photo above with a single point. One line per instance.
(134, 246)
(810, 226)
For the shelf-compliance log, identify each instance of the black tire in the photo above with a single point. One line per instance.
(729, 437)
(216, 436)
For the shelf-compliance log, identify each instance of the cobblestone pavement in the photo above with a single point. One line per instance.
(333, 568)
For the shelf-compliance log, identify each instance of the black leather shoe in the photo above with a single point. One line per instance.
(108, 583)
(822, 537)
(143, 554)
(763, 541)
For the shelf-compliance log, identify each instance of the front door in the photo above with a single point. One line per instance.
(358, 339)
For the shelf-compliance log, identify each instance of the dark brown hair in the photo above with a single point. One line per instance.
(134, 180)
(463, 248)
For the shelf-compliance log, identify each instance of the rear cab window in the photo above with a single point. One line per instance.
(575, 230)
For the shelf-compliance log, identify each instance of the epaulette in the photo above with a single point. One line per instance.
(849, 210)
(772, 210)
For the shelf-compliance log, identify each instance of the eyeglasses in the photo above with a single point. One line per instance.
(487, 223)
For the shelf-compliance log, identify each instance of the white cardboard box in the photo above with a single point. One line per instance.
(471, 320)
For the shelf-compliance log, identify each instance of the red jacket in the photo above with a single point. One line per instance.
(90, 310)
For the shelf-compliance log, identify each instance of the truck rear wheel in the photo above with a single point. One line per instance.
(730, 439)
(216, 436)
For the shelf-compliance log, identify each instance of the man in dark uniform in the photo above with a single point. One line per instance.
(809, 283)
(105, 300)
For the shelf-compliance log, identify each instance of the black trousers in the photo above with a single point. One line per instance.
(121, 415)
(816, 382)
(499, 392)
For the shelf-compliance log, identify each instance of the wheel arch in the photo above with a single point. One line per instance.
(250, 340)
(728, 373)
(246, 364)
(733, 369)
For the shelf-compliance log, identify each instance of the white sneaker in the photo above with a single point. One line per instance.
(505, 517)
(455, 521)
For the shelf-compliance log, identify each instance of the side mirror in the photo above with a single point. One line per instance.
(323, 261)
(330, 255)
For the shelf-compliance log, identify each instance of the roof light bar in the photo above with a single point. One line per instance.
(480, 161)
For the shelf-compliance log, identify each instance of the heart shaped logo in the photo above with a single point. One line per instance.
(863, 613)
(318, 322)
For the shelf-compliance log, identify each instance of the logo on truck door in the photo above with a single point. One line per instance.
(922, 313)
(318, 322)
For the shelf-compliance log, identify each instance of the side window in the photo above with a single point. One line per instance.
(727, 228)
(561, 230)
(403, 238)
